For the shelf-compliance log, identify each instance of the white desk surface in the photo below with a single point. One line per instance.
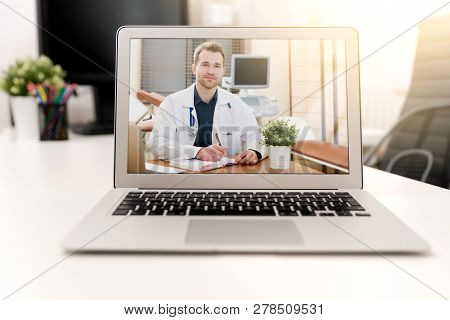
(47, 187)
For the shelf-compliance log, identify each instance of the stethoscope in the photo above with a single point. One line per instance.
(193, 130)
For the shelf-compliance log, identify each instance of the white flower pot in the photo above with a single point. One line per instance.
(279, 157)
(26, 118)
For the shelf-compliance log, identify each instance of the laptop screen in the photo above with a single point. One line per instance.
(238, 106)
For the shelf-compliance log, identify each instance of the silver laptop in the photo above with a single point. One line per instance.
(254, 145)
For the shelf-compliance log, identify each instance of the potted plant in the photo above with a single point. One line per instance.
(279, 136)
(14, 82)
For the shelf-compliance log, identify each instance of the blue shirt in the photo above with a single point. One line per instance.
(205, 117)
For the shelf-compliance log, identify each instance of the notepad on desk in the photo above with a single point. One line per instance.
(201, 165)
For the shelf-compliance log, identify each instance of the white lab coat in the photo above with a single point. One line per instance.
(175, 129)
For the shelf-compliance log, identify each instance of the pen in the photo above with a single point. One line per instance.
(218, 140)
(49, 94)
(42, 93)
(68, 93)
(60, 95)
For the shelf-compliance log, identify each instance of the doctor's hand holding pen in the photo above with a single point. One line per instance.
(213, 152)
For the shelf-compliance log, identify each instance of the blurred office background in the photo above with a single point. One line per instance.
(388, 30)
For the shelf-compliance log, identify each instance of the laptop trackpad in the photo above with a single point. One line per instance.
(242, 232)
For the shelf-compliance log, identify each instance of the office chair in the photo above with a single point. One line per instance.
(426, 129)
(431, 74)
(425, 118)
(152, 98)
(414, 164)
(136, 133)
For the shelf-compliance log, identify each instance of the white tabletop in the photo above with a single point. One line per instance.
(47, 187)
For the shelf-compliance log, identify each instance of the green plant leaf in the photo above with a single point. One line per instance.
(279, 133)
(41, 70)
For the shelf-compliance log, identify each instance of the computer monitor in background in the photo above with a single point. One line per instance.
(249, 71)
(80, 36)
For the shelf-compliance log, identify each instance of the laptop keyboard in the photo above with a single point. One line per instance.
(284, 204)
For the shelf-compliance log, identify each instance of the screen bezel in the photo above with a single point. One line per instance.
(122, 179)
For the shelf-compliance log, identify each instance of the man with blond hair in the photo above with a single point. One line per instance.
(205, 121)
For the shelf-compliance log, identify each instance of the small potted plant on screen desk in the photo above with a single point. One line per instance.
(279, 136)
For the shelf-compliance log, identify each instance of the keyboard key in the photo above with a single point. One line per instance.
(176, 213)
(343, 194)
(344, 213)
(130, 202)
(217, 212)
(355, 208)
(362, 214)
(133, 195)
(155, 213)
(287, 213)
(340, 206)
(178, 195)
(199, 210)
(127, 207)
(120, 212)
(307, 213)
(157, 210)
(173, 200)
(149, 195)
(141, 212)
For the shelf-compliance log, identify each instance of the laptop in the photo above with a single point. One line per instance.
(304, 82)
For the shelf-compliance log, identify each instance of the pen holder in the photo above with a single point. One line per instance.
(53, 121)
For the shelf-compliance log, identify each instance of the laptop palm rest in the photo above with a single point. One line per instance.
(243, 232)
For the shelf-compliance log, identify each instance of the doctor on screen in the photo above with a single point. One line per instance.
(204, 121)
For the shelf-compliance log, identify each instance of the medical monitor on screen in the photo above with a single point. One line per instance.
(249, 71)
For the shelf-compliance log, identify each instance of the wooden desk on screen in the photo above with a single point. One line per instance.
(261, 167)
